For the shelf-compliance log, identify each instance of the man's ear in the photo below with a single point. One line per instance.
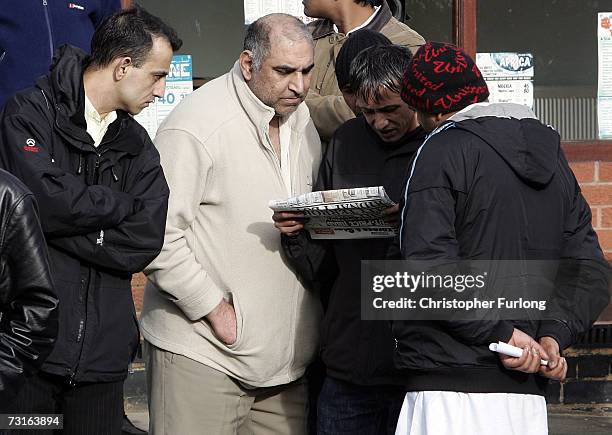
(122, 65)
(246, 64)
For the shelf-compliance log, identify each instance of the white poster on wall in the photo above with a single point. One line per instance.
(604, 74)
(509, 77)
(179, 83)
(254, 9)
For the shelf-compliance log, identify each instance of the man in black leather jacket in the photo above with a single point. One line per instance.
(28, 305)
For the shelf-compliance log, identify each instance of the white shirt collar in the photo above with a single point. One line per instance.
(97, 125)
(364, 24)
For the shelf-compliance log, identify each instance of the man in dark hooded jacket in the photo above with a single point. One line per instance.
(103, 199)
(362, 392)
(489, 183)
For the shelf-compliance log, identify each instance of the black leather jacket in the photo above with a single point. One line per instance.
(28, 304)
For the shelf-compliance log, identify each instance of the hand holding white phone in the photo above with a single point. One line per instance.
(508, 349)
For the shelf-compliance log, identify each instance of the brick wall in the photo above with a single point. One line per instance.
(595, 178)
(592, 166)
(138, 282)
(589, 378)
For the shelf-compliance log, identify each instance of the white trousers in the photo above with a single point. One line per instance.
(452, 413)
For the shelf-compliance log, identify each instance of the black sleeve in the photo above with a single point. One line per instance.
(132, 244)
(314, 260)
(583, 280)
(28, 321)
(67, 205)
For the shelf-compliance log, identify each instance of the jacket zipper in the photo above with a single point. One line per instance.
(81, 332)
(48, 19)
(277, 161)
(277, 167)
(82, 323)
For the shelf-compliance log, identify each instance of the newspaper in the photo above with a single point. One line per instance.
(342, 214)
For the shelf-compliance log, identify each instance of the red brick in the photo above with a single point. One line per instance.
(137, 293)
(584, 171)
(606, 217)
(605, 240)
(138, 283)
(138, 280)
(605, 171)
(588, 151)
(598, 194)
(595, 213)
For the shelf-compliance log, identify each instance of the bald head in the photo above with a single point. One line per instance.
(271, 29)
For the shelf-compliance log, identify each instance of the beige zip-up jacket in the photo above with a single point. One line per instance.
(327, 107)
(220, 239)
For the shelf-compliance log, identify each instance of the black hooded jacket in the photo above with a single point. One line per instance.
(493, 184)
(102, 211)
(354, 350)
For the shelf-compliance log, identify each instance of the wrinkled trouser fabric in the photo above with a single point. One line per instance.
(187, 397)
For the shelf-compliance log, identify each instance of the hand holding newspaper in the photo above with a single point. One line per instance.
(354, 213)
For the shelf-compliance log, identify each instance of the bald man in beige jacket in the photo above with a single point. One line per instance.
(230, 329)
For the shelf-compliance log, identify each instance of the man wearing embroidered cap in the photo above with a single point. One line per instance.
(489, 183)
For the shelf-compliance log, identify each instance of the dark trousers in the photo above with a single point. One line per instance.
(88, 408)
(350, 409)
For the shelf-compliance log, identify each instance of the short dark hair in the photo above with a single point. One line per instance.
(129, 32)
(379, 67)
(257, 38)
(353, 45)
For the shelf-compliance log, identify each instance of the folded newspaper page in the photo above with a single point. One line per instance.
(343, 213)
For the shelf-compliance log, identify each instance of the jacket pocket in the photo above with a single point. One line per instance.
(239, 322)
(203, 328)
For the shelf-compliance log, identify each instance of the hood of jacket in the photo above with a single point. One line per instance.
(529, 147)
(65, 85)
(66, 79)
